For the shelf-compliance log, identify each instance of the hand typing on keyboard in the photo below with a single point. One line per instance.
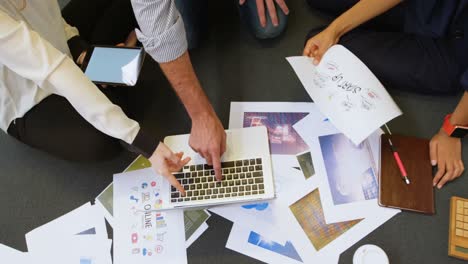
(239, 178)
(165, 162)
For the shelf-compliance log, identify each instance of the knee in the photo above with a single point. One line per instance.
(249, 14)
(269, 31)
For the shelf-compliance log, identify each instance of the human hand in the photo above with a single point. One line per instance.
(164, 162)
(320, 43)
(445, 152)
(208, 138)
(271, 10)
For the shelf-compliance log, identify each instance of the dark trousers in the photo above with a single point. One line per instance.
(400, 60)
(53, 125)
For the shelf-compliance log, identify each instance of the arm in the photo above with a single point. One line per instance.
(361, 12)
(30, 56)
(163, 35)
(445, 151)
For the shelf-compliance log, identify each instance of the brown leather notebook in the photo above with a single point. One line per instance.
(417, 196)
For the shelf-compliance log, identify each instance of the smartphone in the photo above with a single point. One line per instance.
(111, 65)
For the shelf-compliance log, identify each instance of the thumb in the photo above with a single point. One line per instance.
(310, 47)
(319, 54)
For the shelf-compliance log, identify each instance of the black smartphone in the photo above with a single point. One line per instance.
(112, 65)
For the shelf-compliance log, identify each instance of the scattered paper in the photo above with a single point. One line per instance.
(348, 173)
(266, 247)
(140, 235)
(106, 203)
(195, 235)
(309, 232)
(347, 92)
(279, 119)
(86, 219)
(85, 249)
(11, 255)
(193, 220)
(131, 71)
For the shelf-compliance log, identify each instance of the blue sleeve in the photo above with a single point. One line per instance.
(464, 80)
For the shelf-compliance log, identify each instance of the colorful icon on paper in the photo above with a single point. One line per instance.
(153, 184)
(133, 198)
(134, 238)
(159, 249)
(258, 207)
(145, 196)
(144, 185)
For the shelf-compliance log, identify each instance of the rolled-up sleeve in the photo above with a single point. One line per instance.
(161, 30)
(464, 80)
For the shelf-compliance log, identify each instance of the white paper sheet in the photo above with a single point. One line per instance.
(85, 219)
(348, 174)
(131, 71)
(265, 246)
(145, 237)
(279, 119)
(308, 231)
(105, 203)
(85, 249)
(196, 235)
(11, 255)
(347, 92)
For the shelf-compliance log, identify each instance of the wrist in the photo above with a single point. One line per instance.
(453, 129)
(337, 28)
(202, 115)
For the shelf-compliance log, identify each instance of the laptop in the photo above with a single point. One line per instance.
(246, 170)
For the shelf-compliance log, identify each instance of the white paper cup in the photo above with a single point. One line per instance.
(370, 254)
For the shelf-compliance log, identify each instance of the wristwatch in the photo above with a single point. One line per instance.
(458, 131)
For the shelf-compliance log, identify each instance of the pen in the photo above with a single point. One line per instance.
(397, 159)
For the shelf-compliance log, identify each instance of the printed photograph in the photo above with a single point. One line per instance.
(286, 250)
(349, 169)
(308, 212)
(284, 140)
(307, 167)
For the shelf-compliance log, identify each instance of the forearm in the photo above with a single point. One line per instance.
(360, 13)
(182, 77)
(460, 115)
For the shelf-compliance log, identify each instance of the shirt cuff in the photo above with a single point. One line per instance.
(77, 45)
(144, 144)
(168, 46)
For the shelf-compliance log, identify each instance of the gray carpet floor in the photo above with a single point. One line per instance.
(35, 188)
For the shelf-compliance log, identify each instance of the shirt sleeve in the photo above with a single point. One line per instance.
(30, 56)
(70, 31)
(162, 30)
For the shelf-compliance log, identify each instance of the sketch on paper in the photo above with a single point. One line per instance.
(283, 138)
(308, 212)
(349, 169)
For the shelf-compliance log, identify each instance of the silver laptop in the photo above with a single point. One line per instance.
(246, 170)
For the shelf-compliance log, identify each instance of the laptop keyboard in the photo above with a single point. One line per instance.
(239, 178)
